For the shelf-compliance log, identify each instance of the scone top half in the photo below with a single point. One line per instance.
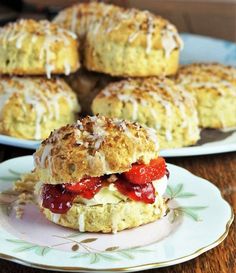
(93, 147)
(29, 47)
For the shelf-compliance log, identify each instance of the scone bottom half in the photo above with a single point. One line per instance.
(101, 175)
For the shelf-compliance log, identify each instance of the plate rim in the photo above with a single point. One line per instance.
(144, 266)
(130, 268)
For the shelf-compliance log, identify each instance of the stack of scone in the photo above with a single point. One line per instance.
(138, 44)
(32, 102)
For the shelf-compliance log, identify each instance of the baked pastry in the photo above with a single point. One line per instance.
(29, 47)
(86, 85)
(115, 38)
(81, 17)
(133, 43)
(101, 175)
(214, 87)
(31, 107)
(154, 102)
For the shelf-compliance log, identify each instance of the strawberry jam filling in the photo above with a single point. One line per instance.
(135, 184)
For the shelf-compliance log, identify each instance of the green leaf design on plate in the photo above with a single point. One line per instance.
(25, 246)
(178, 192)
(12, 177)
(42, 250)
(17, 174)
(188, 211)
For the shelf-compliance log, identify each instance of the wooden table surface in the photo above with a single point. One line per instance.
(221, 170)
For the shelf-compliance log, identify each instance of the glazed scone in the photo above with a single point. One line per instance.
(115, 38)
(154, 102)
(81, 17)
(87, 85)
(31, 107)
(214, 86)
(133, 43)
(86, 175)
(30, 47)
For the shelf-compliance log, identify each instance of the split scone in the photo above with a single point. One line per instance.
(154, 102)
(31, 107)
(101, 175)
(214, 86)
(123, 42)
(87, 85)
(30, 47)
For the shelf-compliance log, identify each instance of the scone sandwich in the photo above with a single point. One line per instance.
(101, 175)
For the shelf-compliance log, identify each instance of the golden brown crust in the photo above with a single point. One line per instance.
(30, 47)
(129, 36)
(116, 38)
(153, 102)
(94, 146)
(80, 17)
(31, 107)
(109, 218)
(214, 86)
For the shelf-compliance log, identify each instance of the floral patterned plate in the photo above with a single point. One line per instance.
(198, 219)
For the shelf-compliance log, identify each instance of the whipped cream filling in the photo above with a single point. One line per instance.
(110, 194)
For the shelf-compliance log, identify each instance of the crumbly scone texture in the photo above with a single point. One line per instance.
(87, 85)
(154, 102)
(31, 107)
(133, 43)
(123, 42)
(214, 86)
(30, 47)
(109, 218)
(93, 147)
(79, 18)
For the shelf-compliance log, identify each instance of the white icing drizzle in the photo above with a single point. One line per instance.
(18, 32)
(55, 217)
(46, 103)
(152, 134)
(114, 221)
(67, 68)
(170, 40)
(149, 32)
(130, 98)
(45, 155)
(74, 19)
(81, 223)
(19, 41)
